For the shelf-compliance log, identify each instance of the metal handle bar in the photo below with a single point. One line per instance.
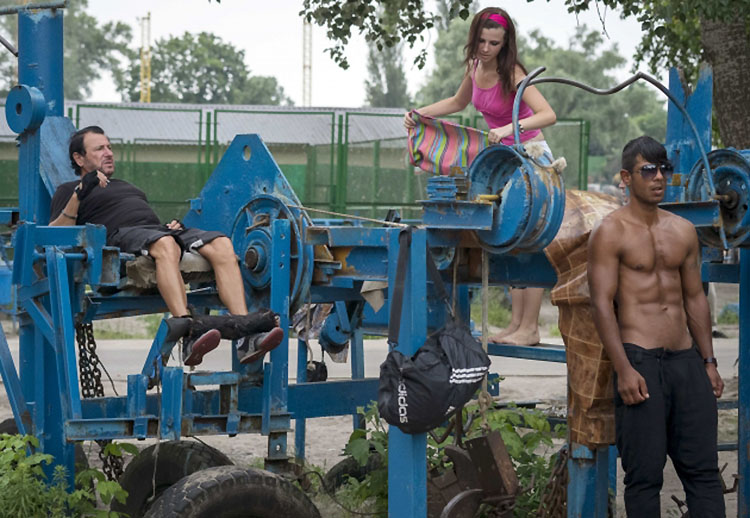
(13, 9)
(529, 80)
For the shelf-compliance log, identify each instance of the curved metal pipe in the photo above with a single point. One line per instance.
(529, 80)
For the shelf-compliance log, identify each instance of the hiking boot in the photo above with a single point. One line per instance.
(193, 349)
(254, 347)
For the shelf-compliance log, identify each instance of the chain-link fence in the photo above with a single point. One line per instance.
(347, 161)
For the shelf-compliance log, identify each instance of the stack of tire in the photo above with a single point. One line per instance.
(182, 479)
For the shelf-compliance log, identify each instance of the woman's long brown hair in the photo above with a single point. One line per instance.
(507, 59)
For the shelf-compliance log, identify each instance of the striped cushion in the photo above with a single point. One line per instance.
(438, 146)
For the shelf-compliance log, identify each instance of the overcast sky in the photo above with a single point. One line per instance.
(270, 33)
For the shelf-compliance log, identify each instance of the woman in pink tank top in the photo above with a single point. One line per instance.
(493, 72)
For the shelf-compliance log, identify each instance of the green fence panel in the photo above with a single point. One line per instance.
(9, 183)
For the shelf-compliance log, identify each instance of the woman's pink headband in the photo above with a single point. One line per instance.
(497, 18)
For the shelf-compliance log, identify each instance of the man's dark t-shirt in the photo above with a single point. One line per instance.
(119, 204)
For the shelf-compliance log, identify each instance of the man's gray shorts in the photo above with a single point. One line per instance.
(137, 240)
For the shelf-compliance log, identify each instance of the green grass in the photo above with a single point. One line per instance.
(498, 308)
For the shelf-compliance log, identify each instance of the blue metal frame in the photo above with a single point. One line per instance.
(285, 261)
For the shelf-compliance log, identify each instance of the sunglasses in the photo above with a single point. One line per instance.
(648, 171)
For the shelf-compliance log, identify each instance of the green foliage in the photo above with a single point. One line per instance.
(363, 443)
(446, 77)
(24, 490)
(671, 29)
(526, 432)
(528, 437)
(89, 48)
(383, 23)
(200, 68)
(386, 85)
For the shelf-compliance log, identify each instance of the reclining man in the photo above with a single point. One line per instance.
(653, 319)
(134, 227)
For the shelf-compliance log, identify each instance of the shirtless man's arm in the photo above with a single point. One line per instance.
(696, 307)
(603, 268)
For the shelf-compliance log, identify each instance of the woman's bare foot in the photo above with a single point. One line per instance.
(522, 337)
(500, 335)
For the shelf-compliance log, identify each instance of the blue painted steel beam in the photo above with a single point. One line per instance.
(720, 272)
(8, 215)
(99, 307)
(407, 473)
(457, 215)
(699, 213)
(300, 425)
(589, 482)
(13, 387)
(541, 352)
(309, 400)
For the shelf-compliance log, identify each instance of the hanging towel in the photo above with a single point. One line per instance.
(439, 146)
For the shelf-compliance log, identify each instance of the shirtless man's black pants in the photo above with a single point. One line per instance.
(679, 418)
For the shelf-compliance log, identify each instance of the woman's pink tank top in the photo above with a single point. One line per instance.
(497, 108)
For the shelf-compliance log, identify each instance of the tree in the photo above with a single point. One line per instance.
(89, 49)
(449, 70)
(386, 86)
(669, 38)
(200, 68)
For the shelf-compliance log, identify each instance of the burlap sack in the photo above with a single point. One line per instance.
(590, 390)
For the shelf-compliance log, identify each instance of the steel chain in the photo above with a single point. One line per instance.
(90, 375)
(553, 503)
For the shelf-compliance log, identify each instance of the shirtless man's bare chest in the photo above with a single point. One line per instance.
(649, 294)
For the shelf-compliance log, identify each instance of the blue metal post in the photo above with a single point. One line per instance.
(358, 364)
(589, 480)
(279, 379)
(40, 64)
(299, 424)
(743, 413)
(40, 55)
(407, 465)
(680, 141)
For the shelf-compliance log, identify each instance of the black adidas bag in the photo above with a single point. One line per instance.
(419, 393)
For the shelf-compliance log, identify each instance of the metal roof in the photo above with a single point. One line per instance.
(167, 123)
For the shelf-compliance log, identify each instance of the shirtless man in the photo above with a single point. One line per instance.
(649, 308)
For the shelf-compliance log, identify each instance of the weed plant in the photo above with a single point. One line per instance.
(25, 491)
(528, 438)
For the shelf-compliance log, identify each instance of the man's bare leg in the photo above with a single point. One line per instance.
(166, 253)
(528, 332)
(220, 253)
(516, 314)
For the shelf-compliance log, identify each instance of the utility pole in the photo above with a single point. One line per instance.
(145, 58)
(306, 63)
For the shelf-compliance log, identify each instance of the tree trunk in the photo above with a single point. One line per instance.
(727, 50)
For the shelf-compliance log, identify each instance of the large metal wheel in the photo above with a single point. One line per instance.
(730, 170)
(172, 461)
(529, 211)
(252, 237)
(233, 492)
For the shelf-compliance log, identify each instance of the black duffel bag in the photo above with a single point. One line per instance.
(419, 393)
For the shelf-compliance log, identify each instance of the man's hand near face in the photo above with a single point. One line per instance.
(89, 182)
